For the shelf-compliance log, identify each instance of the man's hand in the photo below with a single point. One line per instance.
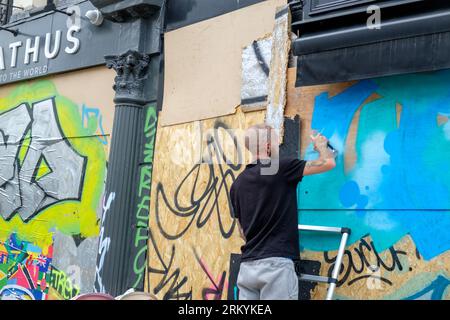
(320, 142)
(326, 160)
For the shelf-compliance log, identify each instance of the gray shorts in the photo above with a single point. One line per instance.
(268, 279)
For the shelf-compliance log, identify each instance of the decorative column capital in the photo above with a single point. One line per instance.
(132, 68)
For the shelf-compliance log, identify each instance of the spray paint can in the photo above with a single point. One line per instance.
(332, 148)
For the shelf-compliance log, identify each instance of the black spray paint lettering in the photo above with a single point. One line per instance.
(208, 198)
(361, 260)
(104, 243)
(23, 191)
(205, 202)
(170, 281)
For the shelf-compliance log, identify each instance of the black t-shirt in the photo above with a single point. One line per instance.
(266, 207)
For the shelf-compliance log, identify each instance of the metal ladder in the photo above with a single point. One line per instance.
(334, 276)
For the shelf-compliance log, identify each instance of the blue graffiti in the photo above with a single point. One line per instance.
(435, 291)
(85, 118)
(400, 181)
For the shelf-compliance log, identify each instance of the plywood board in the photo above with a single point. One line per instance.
(203, 63)
(192, 231)
(399, 253)
(395, 273)
(278, 70)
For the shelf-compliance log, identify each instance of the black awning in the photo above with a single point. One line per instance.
(411, 44)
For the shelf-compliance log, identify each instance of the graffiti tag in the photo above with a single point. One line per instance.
(50, 171)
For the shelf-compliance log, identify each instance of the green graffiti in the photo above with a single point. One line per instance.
(63, 284)
(144, 189)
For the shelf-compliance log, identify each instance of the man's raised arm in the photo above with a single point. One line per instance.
(326, 160)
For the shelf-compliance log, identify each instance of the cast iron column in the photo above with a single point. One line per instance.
(117, 225)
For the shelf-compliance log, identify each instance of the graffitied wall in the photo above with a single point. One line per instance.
(53, 151)
(391, 185)
(192, 231)
(193, 242)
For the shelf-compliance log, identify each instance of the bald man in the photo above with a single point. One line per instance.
(264, 200)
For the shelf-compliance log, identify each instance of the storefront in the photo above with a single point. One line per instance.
(122, 126)
(364, 90)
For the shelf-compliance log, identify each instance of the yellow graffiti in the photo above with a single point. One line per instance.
(69, 217)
